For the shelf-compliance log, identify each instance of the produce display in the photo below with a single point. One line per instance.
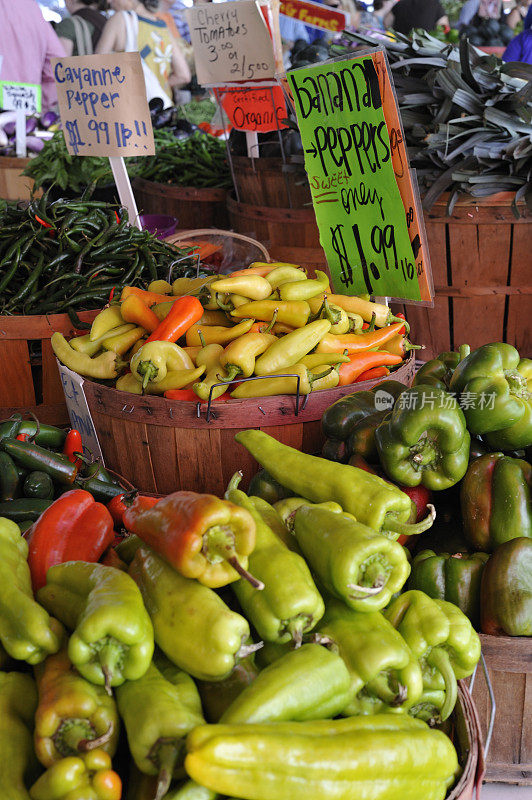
(192, 159)
(69, 255)
(424, 439)
(261, 322)
(38, 131)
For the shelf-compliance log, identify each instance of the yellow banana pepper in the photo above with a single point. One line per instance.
(121, 343)
(83, 344)
(238, 358)
(104, 367)
(193, 286)
(215, 334)
(106, 320)
(160, 287)
(255, 287)
(155, 359)
(303, 290)
(286, 274)
(269, 386)
(291, 348)
(128, 383)
(209, 358)
(295, 313)
(175, 380)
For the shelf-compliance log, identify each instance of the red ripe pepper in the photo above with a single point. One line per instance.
(184, 313)
(187, 394)
(120, 503)
(403, 329)
(73, 528)
(22, 437)
(111, 559)
(73, 445)
(373, 374)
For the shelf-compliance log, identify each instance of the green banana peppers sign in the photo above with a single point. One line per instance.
(349, 158)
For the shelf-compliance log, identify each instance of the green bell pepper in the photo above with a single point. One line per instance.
(18, 701)
(113, 635)
(438, 371)
(324, 759)
(341, 418)
(310, 682)
(355, 564)
(442, 639)
(371, 500)
(496, 503)
(263, 485)
(192, 624)
(26, 631)
(495, 386)
(290, 604)
(424, 440)
(506, 590)
(455, 578)
(385, 676)
(158, 710)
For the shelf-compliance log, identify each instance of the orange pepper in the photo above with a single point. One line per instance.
(134, 309)
(373, 374)
(400, 346)
(184, 313)
(358, 342)
(361, 362)
(149, 298)
(263, 270)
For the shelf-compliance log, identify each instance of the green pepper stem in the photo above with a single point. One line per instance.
(234, 482)
(166, 755)
(371, 326)
(410, 529)
(219, 545)
(248, 649)
(313, 378)
(409, 346)
(71, 734)
(333, 315)
(439, 659)
(224, 306)
(148, 370)
(367, 591)
(272, 321)
(109, 657)
(231, 371)
(202, 338)
(296, 626)
(86, 745)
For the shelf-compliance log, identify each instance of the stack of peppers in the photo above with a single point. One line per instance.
(39, 463)
(265, 321)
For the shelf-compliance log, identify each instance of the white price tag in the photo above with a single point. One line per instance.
(78, 411)
(25, 97)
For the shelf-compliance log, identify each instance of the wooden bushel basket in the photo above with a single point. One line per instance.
(166, 445)
(193, 208)
(30, 382)
(509, 661)
(272, 182)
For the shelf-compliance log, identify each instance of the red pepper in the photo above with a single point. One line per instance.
(23, 437)
(111, 559)
(373, 374)
(187, 394)
(73, 528)
(362, 362)
(184, 313)
(403, 329)
(73, 445)
(120, 503)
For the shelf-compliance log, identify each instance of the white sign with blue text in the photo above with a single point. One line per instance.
(78, 411)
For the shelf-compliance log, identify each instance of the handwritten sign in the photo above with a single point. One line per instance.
(103, 105)
(78, 410)
(261, 110)
(231, 42)
(24, 97)
(363, 223)
(315, 15)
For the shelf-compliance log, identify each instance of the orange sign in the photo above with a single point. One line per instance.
(315, 15)
(257, 110)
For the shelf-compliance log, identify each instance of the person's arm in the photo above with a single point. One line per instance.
(113, 38)
(389, 20)
(514, 50)
(180, 72)
(385, 10)
(54, 49)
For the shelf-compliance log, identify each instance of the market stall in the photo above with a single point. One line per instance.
(265, 494)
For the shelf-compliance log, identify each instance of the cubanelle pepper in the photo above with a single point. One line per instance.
(73, 715)
(26, 631)
(290, 604)
(384, 674)
(158, 711)
(86, 777)
(199, 535)
(506, 590)
(209, 638)
(324, 758)
(352, 561)
(18, 701)
(370, 499)
(154, 360)
(113, 635)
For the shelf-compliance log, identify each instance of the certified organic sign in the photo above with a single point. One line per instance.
(370, 238)
(103, 105)
(249, 109)
(231, 42)
(24, 97)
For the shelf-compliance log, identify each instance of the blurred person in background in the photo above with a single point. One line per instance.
(80, 32)
(484, 9)
(521, 11)
(409, 14)
(373, 19)
(136, 27)
(520, 48)
(27, 43)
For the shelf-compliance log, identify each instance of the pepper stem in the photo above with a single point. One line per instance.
(410, 529)
(219, 545)
(439, 659)
(407, 345)
(368, 591)
(231, 371)
(166, 756)
(224, 306)
(371, 326)
(202, 338)
(464, 351)
(272, 321)
(248, 649)
(148, 370)
(392, 318)
(71, 734)
(234, 482)
(332, 314)
(109, 657)
(85, 745)
(313, 378)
